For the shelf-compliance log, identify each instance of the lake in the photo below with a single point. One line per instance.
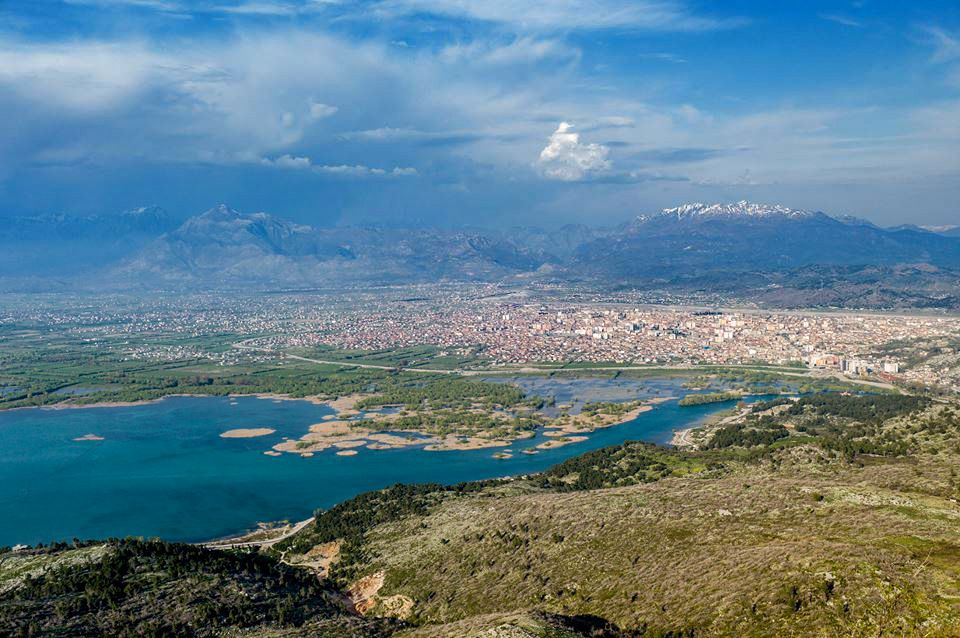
(162, 469)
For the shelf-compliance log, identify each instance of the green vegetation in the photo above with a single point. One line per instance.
(43, 371)
(447, 393)
(463, 422)
(626, 464)
(349, 521)
(710, 397)
(849, 424)
(410, 357)
(743, 435)
(609, 409)
(151, 588)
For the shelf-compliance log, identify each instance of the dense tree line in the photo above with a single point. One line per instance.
(845, 423)
(709, 397)
(609, 408)
(744, 435)
(629, 463)
(122, 387)
(874, 408)
(447, 393)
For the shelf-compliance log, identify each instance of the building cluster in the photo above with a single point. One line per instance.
(518, 333)
(506, 327)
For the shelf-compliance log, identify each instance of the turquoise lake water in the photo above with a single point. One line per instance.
(162, 469)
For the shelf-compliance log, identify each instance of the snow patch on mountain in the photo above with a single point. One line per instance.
(741, 209)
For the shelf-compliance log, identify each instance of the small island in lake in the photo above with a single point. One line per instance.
(89, 437)
(246, 433)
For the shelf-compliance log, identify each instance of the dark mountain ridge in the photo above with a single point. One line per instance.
(744, 250)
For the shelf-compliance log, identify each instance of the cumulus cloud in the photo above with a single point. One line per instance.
(566, 158)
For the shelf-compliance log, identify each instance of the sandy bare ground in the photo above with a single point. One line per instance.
(569, 440)
(364, 597)
(320, 558)
(579, 424)
(89, 437)
(456, 442)
(246, 433)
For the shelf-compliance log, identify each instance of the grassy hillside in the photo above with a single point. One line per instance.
(848, 526)
(803, 549)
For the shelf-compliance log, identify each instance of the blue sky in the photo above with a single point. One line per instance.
(480, 112)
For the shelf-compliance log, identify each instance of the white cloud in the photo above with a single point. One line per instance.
(519, 51)
(287, 161)
(946, 50)
(343, 170)
(841, 19)
(156, 5)
(383, 133)
(566, 158)
(253, 8)
(658, 15)
(259, 94)
(946, 46)
(319, 110)
(85, 76)
(663, 57)
(359, 170)
(258, 8)
(653, 15)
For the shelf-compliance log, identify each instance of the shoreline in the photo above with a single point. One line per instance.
(66, 405)
(259, 534)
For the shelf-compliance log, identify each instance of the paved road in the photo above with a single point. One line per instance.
(786, 371)
(370, 366)
(267, 542)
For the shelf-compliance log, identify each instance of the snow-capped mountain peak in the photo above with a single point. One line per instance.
(741, 209)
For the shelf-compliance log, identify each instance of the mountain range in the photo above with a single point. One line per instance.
(769, 253)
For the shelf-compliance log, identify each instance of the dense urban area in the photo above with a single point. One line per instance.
(488, 326)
